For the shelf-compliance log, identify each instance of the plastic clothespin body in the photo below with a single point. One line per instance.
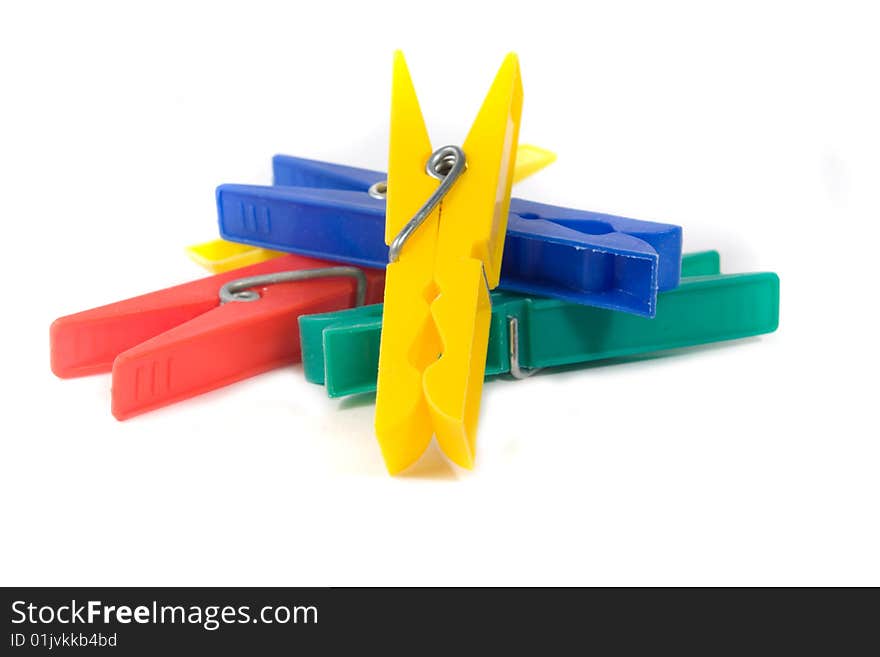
(324, 210)
(435, 329)
(179, 342)
(341, 349)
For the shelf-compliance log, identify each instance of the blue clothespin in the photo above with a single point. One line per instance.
(337, 213)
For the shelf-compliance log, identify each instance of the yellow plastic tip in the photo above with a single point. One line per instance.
(530, 159)
(218, 256)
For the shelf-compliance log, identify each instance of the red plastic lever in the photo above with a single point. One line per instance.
(180, 342)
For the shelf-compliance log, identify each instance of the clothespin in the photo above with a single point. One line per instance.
(222, 255)
(445, 227)
(337, 212)
(179, 342)
(341, 349)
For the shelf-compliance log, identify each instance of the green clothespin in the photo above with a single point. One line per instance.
(341, 349)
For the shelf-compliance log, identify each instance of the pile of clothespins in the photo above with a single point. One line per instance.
(433, 238)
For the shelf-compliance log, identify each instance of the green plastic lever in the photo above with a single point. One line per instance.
(341, 349)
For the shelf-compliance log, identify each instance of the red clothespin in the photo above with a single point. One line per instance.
(179, 342)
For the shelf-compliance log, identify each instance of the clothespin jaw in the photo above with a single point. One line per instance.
(479, 205)
(408, 153)
(436, 322)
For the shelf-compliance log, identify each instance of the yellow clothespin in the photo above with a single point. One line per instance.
(218, 256)
(445, 224)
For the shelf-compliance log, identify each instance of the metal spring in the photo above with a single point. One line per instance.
(240, 289)
(438, 166)
(442, 161)
(446, 164)
(516, 371)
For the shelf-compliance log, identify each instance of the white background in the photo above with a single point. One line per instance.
(754, 126)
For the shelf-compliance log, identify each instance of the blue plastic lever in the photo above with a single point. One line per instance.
(323, 210)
